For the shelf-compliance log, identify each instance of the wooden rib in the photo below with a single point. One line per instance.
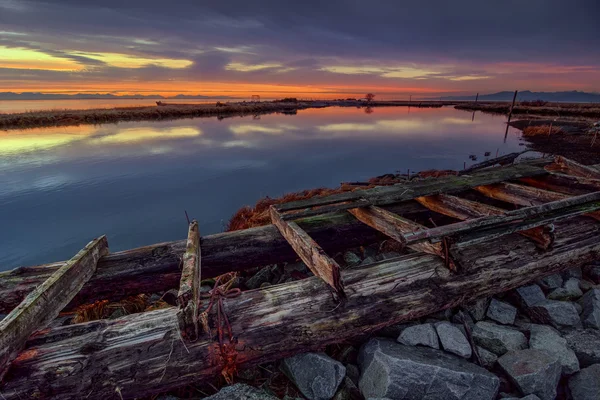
(566, 184)
(502, 160)
(571, 167)
(383, 195)
(395, 227)
(188, 298)
(486, 228)
(524, 195)
(45, 303)
(310, 252)
(464, 209)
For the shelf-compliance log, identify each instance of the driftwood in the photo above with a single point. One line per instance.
(45, 303)
(502, 160)
(567, 184)
(158, 267)
(188, 297)
(574, 168)
(142, 354)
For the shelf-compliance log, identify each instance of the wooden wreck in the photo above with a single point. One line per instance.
(465, 236)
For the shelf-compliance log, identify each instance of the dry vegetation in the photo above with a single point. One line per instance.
(542, 130)
(587, 110)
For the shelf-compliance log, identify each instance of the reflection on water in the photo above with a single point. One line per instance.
(60, 187)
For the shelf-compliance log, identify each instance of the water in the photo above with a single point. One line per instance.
(61, 187)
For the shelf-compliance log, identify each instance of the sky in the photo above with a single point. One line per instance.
(309, 48)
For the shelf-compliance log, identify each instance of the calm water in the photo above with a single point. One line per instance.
(60, 187)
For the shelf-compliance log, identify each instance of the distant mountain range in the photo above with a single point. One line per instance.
(526, 95)
(89, 96)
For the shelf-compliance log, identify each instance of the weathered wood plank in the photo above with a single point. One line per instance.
(142, 354)
(502, 160)
(572, 167)
(512, 221)
(524, 195)
(395, 226)
(383, 195)
(45, 303)
(157, 267)
(188, 297)
(464, 209)
(567, 184)
(311, 253)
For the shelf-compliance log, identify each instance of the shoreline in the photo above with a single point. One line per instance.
(168, 111)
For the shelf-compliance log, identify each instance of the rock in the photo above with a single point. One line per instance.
(501, 312)
(488, 359)
(530, 295)
(586, 285)
(387, 256)
(265, 284)
(498, 338)
(569, 291)
(118, 313)
(348, 391)
(556, 313)
(370, 251)
(586, 345)
(443, 315)
(461, 318)
(423, 334)
(593, 273)
(395, 371)
(368, 260)
(263, 275)
(316, 375)
(573, 273)
(533, 371)
(2, 316)
(453, 340)
(585, 385)
(154, 297)
(591, 309)
(295, 267)
(578, 307)
(530, 397)
(550, 282)
(170, 297)
(477, 308)
(249, 374)
(351, 259)
(546, 338)
(240, 391)
(353, 373)
(167, 397)
(393, 331)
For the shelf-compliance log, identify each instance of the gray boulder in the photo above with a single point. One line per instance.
(477, 308)
(593, 272)
(453, 340)
(316, 375)
(423, 334)
(585, 385)
(559, 314)
(546, 338)
(368, 260)
(488, 359)
(501, 312)
(497, 338)
(573, 273)
(569, 291)
(351, 259)
(550, 282)
(263, 275)
(530, 295)
(533, 372)
(240, 391)
(591, 309)
(395, 371)
(586, 345)
(529, 397)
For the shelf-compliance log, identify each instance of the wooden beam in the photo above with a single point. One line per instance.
(140, 355)
(502, 160)
(522, 195)
(464, 209)
(395, 226)
(383, 195)
(188, 298)
(311, 253)
(571, 167)
(486, 228)
(567, 184)
(45, 303)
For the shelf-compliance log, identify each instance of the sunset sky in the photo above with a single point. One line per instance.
(306, 48)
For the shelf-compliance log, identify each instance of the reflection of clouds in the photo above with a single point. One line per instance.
(239, 143)
(18, 142)
(458, 121)
(249, 128)
(134, 135)
(382, 125)
(46, 183)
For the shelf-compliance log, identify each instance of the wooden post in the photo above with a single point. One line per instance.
(311, 253)
(188, 298)
(476, 97)
(512, 105)
(45, 303)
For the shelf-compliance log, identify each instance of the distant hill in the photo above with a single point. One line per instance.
(526, 95)
(102, 96)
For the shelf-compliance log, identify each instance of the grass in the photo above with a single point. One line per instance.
(541, 130)
(587, 110)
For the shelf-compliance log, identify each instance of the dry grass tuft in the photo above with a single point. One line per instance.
(541, 130)
(103, 309)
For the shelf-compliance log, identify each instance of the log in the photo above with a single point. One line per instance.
(45, 303)
(395, 226)
(464, 209)
(157, 267)
(567, 184)
(571, 167)
(142, 354)
(188, 297)
(493, 226)
(383, 195)
(502, 160)
(311, 253)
